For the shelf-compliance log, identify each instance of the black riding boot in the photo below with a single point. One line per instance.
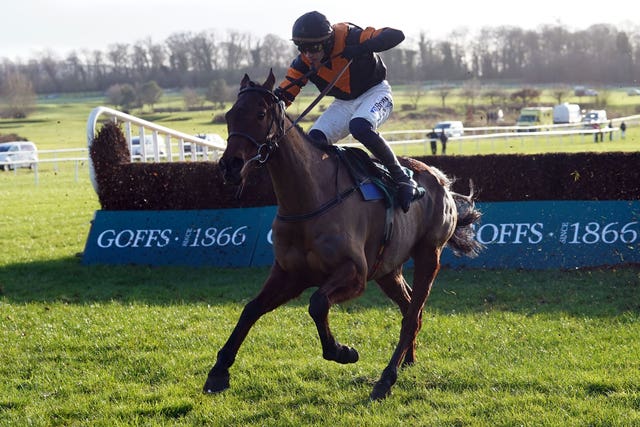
(363, 131)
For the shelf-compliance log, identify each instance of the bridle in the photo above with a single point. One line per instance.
(275, 131)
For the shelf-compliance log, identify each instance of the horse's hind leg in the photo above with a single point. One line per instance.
(278, 289)
(427, 265)
(396, 288)
(345, 283)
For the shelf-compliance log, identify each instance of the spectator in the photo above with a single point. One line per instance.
(611, 130)
(443, 139)
(623, 128)
(433, 138)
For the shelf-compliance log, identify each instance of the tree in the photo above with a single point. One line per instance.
(18, 96)
(525, 95)
(123, 95)
(150, 93)
(192, 100)
(444, 91)
(217, 92)
(560, 93)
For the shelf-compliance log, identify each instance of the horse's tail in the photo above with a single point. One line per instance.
(463, 241)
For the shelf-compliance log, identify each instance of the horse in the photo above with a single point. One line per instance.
(325, 236)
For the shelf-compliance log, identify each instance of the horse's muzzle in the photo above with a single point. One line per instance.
(231, 169)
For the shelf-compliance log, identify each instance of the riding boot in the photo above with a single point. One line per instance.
(407, 187)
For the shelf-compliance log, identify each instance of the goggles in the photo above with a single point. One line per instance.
(311, 47)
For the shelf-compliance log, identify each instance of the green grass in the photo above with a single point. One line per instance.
(132, 345)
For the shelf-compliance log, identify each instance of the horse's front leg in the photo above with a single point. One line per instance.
(345, 283)
(278, 289)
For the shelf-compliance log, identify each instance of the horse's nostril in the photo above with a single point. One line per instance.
(237, 163)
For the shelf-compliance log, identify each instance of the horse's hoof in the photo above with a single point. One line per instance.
(216, 384)
(380, 391)
(344, 355)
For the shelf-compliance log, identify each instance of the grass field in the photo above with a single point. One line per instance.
(132, 345)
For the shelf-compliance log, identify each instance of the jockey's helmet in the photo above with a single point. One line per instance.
(312, 27)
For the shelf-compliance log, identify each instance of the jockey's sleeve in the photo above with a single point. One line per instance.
(293, 82)
(382, 39)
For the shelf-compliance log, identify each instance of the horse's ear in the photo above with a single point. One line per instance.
(271, 80)
(245, 81)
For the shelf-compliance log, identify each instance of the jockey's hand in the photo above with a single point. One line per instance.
(354, 50)
(279, 93)
(283, 96)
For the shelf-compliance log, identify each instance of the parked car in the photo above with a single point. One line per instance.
(633, 92)
(136, 150)
(18, 154)
(584, 91)
(594, 119)
(450, 128)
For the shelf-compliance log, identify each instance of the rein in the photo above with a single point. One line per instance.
(271, 141)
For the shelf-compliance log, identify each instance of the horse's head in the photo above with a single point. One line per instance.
(255, 123)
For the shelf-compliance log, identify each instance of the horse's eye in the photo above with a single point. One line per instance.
(261, 115)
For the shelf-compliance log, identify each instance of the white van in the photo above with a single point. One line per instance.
(18, 154)
(450, 128)
(567, 113)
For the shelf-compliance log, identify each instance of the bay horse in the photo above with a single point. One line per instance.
(327, 237)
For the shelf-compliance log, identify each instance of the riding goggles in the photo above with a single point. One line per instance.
(311, 47)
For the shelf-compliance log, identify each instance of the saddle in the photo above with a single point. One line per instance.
(372, 177)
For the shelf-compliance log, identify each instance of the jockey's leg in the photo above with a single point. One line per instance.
(363, 131)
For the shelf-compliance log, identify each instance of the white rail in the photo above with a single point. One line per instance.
(166, 144)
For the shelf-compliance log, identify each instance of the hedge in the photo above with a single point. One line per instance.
(198, 185)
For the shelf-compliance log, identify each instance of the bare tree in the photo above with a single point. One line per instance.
(218, 92)
(276, 51)
(17, 95)
(150, 93)
(192, 99)
(560, 93)
(118, 55)
(470, 91)
(443, 91)
(233, 50)
(525, 95)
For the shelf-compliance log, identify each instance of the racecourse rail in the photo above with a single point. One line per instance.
(171, 145)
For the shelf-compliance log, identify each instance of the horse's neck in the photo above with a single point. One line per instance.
(300, 174)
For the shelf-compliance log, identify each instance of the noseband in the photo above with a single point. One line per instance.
(272, 136)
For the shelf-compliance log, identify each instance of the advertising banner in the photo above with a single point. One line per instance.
(526, 235)
(221, 237)
(555, 234)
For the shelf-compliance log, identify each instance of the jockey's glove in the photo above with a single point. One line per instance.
(354, 50)
(282, 95)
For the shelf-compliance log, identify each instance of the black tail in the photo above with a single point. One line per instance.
(463, 241)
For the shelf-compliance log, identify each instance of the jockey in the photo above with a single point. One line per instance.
(363, 99)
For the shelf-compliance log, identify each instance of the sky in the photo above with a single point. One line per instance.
(31, 28)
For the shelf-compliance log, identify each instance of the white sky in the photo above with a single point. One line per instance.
(30, 28)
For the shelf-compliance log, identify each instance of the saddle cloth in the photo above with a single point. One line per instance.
(371, 176)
